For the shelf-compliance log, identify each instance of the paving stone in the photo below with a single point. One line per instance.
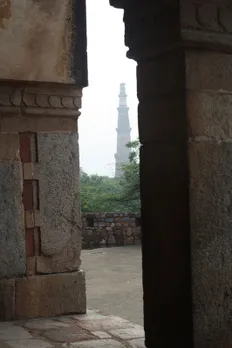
(43, 324)
(28, 343)
(66, 319)
(96, 344)
(129, 334)
(101, 334)
(10, 332)
(138, 343)
(67, 334)
(108, 323)
(4, 345)
(90, 315)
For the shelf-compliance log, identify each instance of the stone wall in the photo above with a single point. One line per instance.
(110, 229)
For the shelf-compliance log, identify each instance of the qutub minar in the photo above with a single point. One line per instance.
(123, 132)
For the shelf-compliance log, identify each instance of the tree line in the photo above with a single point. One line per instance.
(105, 194)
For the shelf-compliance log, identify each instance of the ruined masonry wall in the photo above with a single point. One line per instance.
(110, 229)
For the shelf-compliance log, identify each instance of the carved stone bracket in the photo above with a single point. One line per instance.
(40, 99)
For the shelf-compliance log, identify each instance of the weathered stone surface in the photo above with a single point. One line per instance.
(7, 299)
(51, 56)
(211, 238)
(12, 241)
(101, 334)
(44, 324)
(65, 261)
(129, 333)
(108, 323)
(90, 315)
(67, 335)
(137, 343)
(50, 295)
(4, 345)
(209, 114)
(31, 263)
(28, 343)
(43, 123)
(208, 71)
(65, 332)
(9, 331)
(59, 201)
(9, 146)
(96, 344)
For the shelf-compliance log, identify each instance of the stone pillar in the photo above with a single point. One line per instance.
(42, 73)
(184, 55)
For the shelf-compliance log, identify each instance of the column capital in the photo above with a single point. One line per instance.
(154, 27)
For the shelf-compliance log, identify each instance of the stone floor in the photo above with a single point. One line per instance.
(92, 330)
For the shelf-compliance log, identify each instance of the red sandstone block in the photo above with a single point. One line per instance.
(25, 147)
(29, 242)
(28, 200)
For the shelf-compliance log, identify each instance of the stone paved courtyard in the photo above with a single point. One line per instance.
(75, 331)
(114, 281)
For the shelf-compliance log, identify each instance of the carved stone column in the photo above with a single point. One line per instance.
(40, 101)
(184, 55)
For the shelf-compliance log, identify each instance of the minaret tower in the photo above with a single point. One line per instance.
(123, 132)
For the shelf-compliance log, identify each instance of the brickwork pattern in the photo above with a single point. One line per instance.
(29, 158)
(110, 229)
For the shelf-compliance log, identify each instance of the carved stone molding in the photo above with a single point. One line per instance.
(211, 16)
(40, 99)
(207, 23)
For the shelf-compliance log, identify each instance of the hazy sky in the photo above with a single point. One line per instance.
(108, 66)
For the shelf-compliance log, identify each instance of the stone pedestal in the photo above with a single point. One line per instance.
(184, 55)
(43, 69)
(40, 201)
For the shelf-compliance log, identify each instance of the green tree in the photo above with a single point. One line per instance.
(104, 194)
(98, 194)
(130, 181)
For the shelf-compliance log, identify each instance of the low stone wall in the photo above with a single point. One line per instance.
(110, 229)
